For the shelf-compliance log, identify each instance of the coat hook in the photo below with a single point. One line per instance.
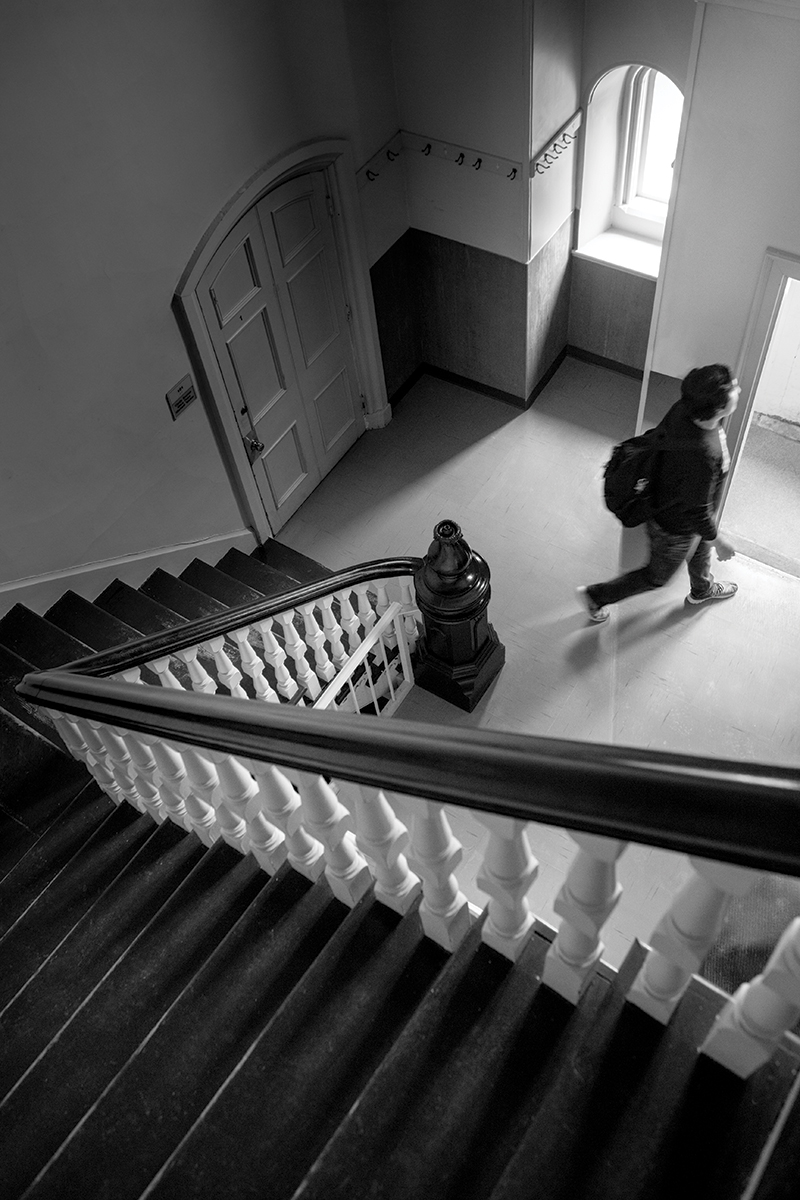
(477, 164)
(512, 173)
(391, 155)
(427, 149)
(460, 159)
(372, 175)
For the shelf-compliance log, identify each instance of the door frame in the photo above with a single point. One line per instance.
(777, 269)
(334, 157)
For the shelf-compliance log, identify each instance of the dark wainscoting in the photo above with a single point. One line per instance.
(549, 279)
(395, 292)
(610, 312)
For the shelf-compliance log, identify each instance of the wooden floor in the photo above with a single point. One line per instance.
(721, 681)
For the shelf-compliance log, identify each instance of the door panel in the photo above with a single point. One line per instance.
(274, 304)
(300, 239)
(246, 326)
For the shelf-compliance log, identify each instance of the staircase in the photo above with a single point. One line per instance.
(176, 1022)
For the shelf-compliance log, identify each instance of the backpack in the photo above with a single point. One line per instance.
(630, 477)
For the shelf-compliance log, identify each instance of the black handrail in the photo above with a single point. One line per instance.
(193, 633)
(738, 812)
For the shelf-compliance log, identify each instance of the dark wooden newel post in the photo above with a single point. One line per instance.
(459, 653)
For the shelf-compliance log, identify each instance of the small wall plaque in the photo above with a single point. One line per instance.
(181, 396)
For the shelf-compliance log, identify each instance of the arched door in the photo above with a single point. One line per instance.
(277, 316)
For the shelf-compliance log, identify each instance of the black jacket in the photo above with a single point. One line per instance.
(690, 476)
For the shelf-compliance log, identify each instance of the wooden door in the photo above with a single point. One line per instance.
(274, 305)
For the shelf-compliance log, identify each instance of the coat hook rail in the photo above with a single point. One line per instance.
(557, 146)
(459, 156)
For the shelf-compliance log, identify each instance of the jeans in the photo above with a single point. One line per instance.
(667, 552)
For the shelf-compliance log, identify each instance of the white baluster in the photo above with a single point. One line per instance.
(267, 843)
(685, 934)
(409, 620)
(172, 780)
(236, 785)
(201, 680)
(506, 876)
(146, 770)
(315, 638)
(121, 764)
(277, 659)
(228, 673)
(201, 819)
(232, 829)
(98, 757)
(165, 677)
(366, 613)
(747, 1031)
(382, 839)
(297, 648)
(349, 619)
(381, 604)
(71, 737)
(589, 895)
(333, 632)
(434, 855)
(253, 666)
(281, 803)
(328, 820)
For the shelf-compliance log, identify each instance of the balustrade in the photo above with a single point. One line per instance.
(435, 856)
(383, 839)
(328, 820)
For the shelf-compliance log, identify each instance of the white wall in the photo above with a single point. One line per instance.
(655, 33)
(124, 130)
(738, 185)
(778, 392)
(462, 71)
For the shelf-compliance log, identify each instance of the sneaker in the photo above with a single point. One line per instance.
(719, 591)
(597, 614)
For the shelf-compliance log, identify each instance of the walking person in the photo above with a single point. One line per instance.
(693, 463)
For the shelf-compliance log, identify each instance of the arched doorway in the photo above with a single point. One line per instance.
(276, 310)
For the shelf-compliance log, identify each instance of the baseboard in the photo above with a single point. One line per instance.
(598, 360)
(39, 592)
(483, 389)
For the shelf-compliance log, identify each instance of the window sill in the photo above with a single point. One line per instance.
(625, 252)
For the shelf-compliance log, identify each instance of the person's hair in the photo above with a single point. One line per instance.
(705, 390)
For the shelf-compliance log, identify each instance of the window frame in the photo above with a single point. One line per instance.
(632, 212)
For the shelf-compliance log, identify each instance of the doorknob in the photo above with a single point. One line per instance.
(254, 446)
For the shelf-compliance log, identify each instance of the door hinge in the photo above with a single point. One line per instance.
(331, 208)
(348, 310)
(363, 403)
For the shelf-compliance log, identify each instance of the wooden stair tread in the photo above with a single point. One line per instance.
(290, 562)
(199, 1042)
(40, 724)
(255, 573)
(139, 611)
(180, 596)
(231, 592)
(310, 1063)
(94, 945)
(68, 896)
(90, 624)
(40, 641)
(93, 1047)
(52, 851)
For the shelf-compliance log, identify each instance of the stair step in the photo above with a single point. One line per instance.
(635, 1113)
(198, 1043)
(12, 669)
(231, 592)
(93, 946)
(310, 1063)
(256, 574)
(291, 562)
(94, 1046)
(68, 896)
(90, 624)
(137, 610)
(36, 789)
(39, 640)
(53, 850)
(180, 596)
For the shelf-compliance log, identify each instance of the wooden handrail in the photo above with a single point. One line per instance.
(738, 812)
(194, 633)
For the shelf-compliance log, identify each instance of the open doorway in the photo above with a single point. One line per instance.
(761, 508)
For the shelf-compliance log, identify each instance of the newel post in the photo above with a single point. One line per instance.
(459, 653)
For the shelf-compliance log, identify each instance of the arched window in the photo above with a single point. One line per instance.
(633, 118)
(651, 118)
